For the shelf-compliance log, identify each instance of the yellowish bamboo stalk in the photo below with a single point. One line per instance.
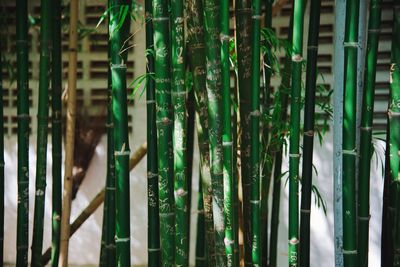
(70, 133)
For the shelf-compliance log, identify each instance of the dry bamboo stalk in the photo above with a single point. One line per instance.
(70, 134)
(97, 201)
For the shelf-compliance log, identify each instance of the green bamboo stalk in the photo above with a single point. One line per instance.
(119, 33)
(349, 134)
(198, 67)
(153, 233)
(266, 160)
(200, 237)
(227, 137)
(213, 84)
(179, 139)
(1, 161)
(164, 130)
(366, 130)
(235, 175)
(108, 247)
(23, 132)
(308, 135)
(42, 130)
(56, 131)
(294, 140)
(243, 44)
(394, 121)
(255, 134)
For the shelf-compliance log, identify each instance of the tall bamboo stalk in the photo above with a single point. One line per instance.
(266, 160)
(308, 135)
(243, 44)
(56, 132)
(153, 233)
(294, 140)
(1, 161)
(197, 60)
(340, 14)
(119, 26)
(213, 84)
(366, 130)
(164, 130)
(179, 139)
(227, 137)
(349, 134)
(255, 134)
(394, 121)
(70, 133)
(42, 129)
(23, 132)
(108, 247)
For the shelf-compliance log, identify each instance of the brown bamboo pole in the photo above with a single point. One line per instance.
(97, 201)
(70, 133)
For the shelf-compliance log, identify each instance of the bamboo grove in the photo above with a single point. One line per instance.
(217, 68)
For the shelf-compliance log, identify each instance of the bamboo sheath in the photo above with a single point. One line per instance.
(366, 131)
(42, 129)
(23, 132)
(97, 200)
(70, 133)
(2, 197)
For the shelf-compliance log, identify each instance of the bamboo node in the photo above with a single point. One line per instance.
(228, 242)
(257, 17)
(180, 192)
(392, 113)
(293, 155)
(297, 58)
(23, 116)
(150, 102)
(312, 47)
(305, 211)
(350, 152)
(39, 192)
(161, 19)
(224, 37)
(151, 175)
(363, 218)
(225, 143)
(255, 113)
(366, 129)
(112, 188)
(118, 66)
(166, 215)
(374, 30)
(122, 153)
(309, 133)
(153, 249)
(122, 239)
(109, 125)
(349, 252)
(350, 44)
(294, 241)
(255, 202)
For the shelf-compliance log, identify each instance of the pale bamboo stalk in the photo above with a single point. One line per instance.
(70, 133)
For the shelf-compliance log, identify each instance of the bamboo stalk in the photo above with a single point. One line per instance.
(294, 140)
(2, 197)
(23, 132)
(213, 84)
(153, 233)
(70, 133)
(243, 44)
(179, 95)
(42, 129)
(255, 134)
(349, 134)
(195, 28)
(366, 130)
(164, 130)
(266, 163)
(394, 121)
(227, 138)
(119, 26)
(56, 133)
(308, 135)
(97, 200)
